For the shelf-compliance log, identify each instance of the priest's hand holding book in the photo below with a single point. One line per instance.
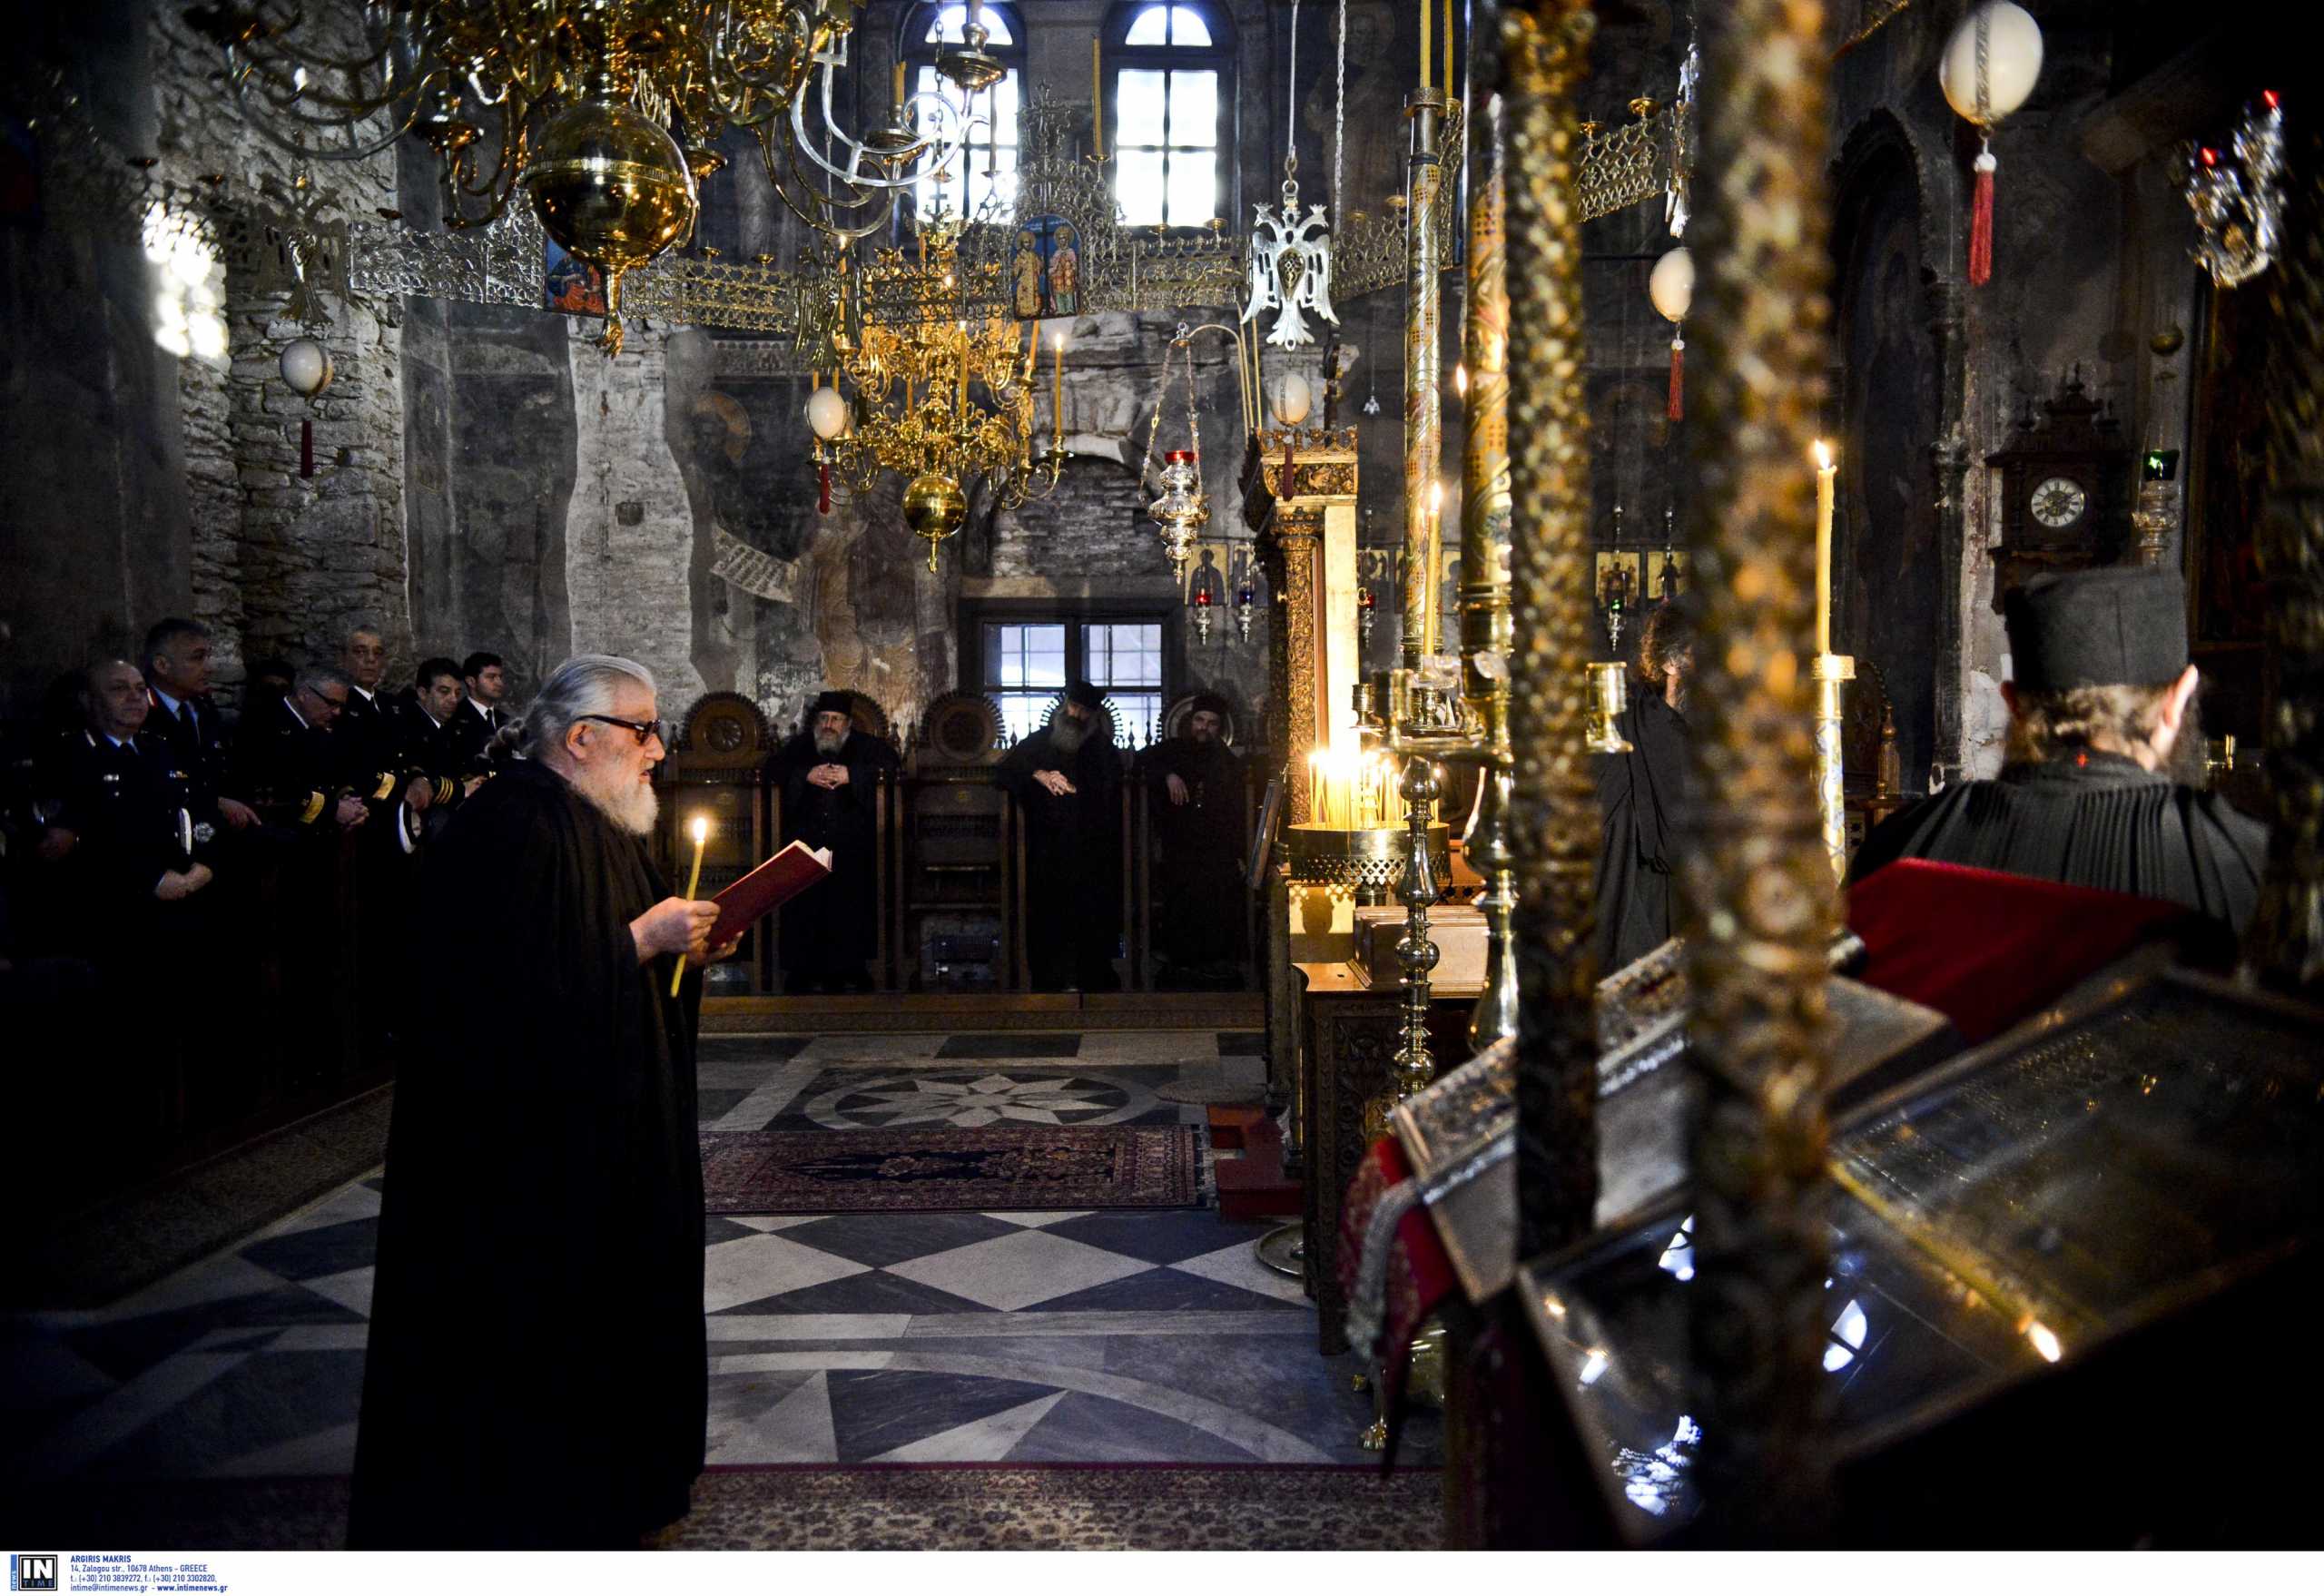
(678, 925)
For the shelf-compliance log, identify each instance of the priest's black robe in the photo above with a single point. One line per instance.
(1073, 885)
(1199, 900)
(1641, 798)
(827, 936)
(2089, 820)
(538, 1372)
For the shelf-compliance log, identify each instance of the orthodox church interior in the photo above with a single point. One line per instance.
(1390, 617)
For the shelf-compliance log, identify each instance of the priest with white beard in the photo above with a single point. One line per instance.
(537, 1375)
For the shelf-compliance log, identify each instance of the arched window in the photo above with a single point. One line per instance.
(1168, 102)
(987, 163)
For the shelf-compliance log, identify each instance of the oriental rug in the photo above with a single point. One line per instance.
(816, 1508)
(989, 1168)
(986, 1509)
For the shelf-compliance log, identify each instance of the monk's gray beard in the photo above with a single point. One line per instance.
(830, 742)
(1065, 733)
(628, 801)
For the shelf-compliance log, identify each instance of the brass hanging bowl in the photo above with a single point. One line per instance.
(612, 187)
(934, 508)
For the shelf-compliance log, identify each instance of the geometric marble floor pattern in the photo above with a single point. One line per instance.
(1073, 1337)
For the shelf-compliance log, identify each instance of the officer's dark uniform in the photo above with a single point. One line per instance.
(138, 813)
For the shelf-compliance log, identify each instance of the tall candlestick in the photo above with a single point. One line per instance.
(700, 835)
(1825, 470)
(1448, 48)
(899, 91)
(1425, 8)
(1435, 573)
(1096, 101)
(1057, 397)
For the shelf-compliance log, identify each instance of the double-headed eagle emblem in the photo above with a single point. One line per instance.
(1291, 269)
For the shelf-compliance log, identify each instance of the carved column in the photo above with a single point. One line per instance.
(1553, 818)
(2285, 946)
(1423, 360)
(1485, 625)
(1299, 540)
(1949, 457)
(1758, 886)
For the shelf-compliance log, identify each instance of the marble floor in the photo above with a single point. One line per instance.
(1149, 1336)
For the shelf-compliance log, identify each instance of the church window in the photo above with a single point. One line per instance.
(984, 169)
(1167, 102)
(1027, 663)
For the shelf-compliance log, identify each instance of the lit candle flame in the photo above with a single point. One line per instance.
(1822, 456)
(701, 830)
(1461, 379)
(2045, 1341)
(1436, 497)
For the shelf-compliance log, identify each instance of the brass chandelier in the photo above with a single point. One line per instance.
(608, 111)
(942, 392)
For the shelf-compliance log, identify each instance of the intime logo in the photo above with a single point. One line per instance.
(32, 1570)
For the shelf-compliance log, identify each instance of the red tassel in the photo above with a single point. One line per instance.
(1678, 379)
(824, 489)
(306, 448)
(1981, 223)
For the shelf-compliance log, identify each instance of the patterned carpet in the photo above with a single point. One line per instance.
(1157, 1509)
(986, 1169)
(903, 1509)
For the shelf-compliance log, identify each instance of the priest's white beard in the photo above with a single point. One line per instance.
(1065, 733)
(830, 742)
(629, 802)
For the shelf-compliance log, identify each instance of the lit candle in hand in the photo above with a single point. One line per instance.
(701, 834)
(1825, 470)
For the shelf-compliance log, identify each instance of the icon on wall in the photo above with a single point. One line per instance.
(1045, 269)
(1617, 578)
(569, 283)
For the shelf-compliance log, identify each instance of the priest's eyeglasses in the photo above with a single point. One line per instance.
(643, 731)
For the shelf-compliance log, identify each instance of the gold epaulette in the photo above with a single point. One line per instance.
(445, 787)
(313, 810)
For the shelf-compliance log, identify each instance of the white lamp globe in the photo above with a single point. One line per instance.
(1291, 398)
(306, 367)
(2013, 61)
(826, 413)
(1671, 284)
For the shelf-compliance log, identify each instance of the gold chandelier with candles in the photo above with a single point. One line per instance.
(942, 392)
(608, 112)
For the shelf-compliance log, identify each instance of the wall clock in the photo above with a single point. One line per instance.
(2065, 490)
(2059, 502)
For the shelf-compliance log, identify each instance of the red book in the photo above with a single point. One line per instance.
(766, 889)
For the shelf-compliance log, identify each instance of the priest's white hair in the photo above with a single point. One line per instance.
(588, 683)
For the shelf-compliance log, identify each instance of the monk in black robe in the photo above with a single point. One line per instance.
(2103, 734)
(1068, 777)
(829, 777)
(1196, 797)
(537, 1373)
(1641, 799)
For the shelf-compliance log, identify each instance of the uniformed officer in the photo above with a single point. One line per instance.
(286, 760)
(139, 834)
(433, 744)
(177, 671)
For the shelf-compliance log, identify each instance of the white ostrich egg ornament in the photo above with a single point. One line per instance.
(826, 413)
(306, 367)
(2013, 61)
(1293, 398)
(1671, 285)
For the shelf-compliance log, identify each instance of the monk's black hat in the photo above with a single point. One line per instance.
(1086, 696)
(2115, 626)
(1210, 702)
(834, 704)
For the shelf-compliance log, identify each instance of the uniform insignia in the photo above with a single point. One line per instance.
(314, 809)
